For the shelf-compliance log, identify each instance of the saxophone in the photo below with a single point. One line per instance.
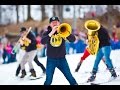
(93, 41)
(26, 42)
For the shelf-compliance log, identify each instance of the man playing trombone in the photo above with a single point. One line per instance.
(54, 37)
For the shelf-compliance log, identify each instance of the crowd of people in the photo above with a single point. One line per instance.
(71, 47)
(5, 50)
(40, 44)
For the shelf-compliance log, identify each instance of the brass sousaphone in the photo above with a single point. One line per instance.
(63, 30)
(93, 41)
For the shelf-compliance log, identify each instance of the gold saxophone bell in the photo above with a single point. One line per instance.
(93, 42)
(64, 30)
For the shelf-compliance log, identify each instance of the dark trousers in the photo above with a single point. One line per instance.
(4, 55)
(37, 62)
(62, 65)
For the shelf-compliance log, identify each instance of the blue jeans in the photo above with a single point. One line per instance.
(104, 51)
(67, 44)
(62, 65)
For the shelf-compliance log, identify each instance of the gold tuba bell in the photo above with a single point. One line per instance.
(63, 30)
(93, 41)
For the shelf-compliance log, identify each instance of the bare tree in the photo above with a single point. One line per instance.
(23, 13)
(29, 13)
(17, 13)
(79, 10)
(74, 18)
(54, 10)
(43, 12)
(9, 10)
(58, 11)
(109, 15)
(0, 13)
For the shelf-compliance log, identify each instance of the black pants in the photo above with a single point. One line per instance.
(37, 62)
(4, 55)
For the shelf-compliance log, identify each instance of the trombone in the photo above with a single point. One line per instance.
(63, 30)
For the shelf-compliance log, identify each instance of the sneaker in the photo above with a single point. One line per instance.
(113, 73)
(92, 78)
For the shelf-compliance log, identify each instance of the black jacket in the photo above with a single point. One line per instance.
(32, 45)
(103, 37)
(55, 52)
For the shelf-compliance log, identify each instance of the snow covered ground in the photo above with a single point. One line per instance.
(7, 71)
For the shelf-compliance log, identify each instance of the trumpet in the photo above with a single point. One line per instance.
(63, 30)
(93, 41)
(27, 41)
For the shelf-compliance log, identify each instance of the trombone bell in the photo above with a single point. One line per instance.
(64, 30)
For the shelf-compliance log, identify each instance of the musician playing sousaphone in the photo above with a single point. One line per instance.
(28, 43)
(92, 42)
(99, 45)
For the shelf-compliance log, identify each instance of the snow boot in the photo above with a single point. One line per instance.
(113, 73)
(92, 77)
(23, 74)
(33, 73)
